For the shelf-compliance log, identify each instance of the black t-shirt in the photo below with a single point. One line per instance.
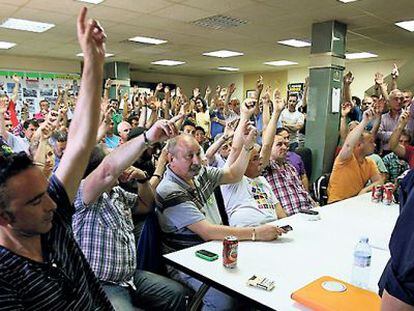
(64, 281)
(398, 276)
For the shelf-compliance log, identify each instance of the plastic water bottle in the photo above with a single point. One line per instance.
(362, 263)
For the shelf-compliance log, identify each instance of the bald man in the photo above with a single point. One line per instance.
(184, 199)
(123, 130)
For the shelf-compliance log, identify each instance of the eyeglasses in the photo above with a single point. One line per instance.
(58, 275)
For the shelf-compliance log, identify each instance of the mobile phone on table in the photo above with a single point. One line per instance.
(287, 228)
(309, 212)
(210, 256)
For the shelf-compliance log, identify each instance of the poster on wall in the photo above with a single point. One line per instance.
(35, 86)
(296, 89)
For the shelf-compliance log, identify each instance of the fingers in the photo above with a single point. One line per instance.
(81, 21)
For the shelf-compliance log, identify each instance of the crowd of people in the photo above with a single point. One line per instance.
(78, 176)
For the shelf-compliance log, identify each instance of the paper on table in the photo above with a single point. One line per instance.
(336, 99)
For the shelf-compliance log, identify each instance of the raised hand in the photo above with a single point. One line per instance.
(163, 129)
(108, 83)
(259, 84)
(379, 78)
(405, 117)
(348, 78)
(248, 107)
(230, 128)
(208, 90)
(379, 107)
(368, 115)
(159, 87)
(231, 88)
(249, 135)
(346, 109)
(167, 90)
(278, 103)
(3, 105)
(394, 71)
(91, 37)
(46, 130)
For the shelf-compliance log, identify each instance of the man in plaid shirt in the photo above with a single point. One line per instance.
(285, 181)
(103, 226)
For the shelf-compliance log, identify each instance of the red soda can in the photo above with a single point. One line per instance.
(388, 193)
(377, 194)
(230, 245)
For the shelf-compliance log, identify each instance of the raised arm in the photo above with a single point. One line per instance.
(226, 137)
(106, 174)
(15, 95)
(395, 136)
(353, 137)
(394, 76)
(348, 78)
(343, 125)
(3, 109)
(270, 132)
(379, 81)
(84, 126)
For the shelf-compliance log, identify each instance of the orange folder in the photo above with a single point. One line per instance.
(317, 298)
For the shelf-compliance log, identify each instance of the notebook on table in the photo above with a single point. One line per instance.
(330, 294)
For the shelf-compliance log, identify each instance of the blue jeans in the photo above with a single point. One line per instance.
(153, 292)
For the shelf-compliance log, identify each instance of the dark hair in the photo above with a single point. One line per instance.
(294, 95)
(406, 134)
(132, 118)
(95, 159)
(280, 130)
(32, 122)
(357, 100)
(60, 136)
(199, 128)
(11, 165)
(186, 123)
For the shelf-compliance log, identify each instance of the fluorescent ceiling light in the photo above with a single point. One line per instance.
(280, 63)
(167, 62)
(223, 53)
(92, 1)
(227, 68)
(347, 1)
(4, 45)
(106, 54)
(147, 40)
(360, 55)
(295, 43)
(407, 25)
(22, 24)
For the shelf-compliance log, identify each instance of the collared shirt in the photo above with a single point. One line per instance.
(287, 187)
(296, 161)
(179, 205)
(394, 165)
(64, 281)
(104, 231)
(387, 126)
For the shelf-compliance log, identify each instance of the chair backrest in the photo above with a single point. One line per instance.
(149, 252)
(306, 155)
(220, 204)
(320, 189)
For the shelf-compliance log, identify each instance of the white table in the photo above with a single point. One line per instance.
(313, 249)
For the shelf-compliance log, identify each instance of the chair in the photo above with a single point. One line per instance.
(306, 155)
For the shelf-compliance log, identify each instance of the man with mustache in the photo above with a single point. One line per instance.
(183, 198)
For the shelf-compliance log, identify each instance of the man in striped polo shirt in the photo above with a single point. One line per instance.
(41, 266)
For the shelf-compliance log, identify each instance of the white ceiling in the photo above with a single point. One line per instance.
(370, 28)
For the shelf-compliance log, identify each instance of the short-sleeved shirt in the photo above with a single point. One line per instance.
(409, 155)
(398, 277)
(112, 141)
(104, 232)
(179, 205)
(394, 165)
(296, 161)
(378, 162)
(216, 128)
(64, 281)
(287, 187)
(250, 202)
(292, 118)
(349, 177)
(17, 143)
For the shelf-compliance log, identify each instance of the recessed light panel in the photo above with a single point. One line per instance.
(295, 43)
(280, 63)
(360, 55)
(347, 1)
(92, 1)
(223, 53)
(4, 45)
(26, 25)
(228, 68)
(147, 40)
(168, 62)
(407, 25)
(106, 54)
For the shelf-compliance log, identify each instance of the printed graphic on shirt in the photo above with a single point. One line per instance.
(259, 193)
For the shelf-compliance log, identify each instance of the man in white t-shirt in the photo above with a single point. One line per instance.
(251, 201)
(292, 120)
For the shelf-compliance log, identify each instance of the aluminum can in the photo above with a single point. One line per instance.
(230, 248)
(377, 194)
(388, 193)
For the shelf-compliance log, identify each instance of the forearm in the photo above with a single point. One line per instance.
(352, 139)
(218, 232)
(347, 93)
(235, 171)
(151, 120)
(266, 116)
(101, 132)
(157, 176)
(3, 130)
(268, 137)
(343, 129)
(15, 95)
(395, 136)
(145, 198)
(214, 148)
(372, 185)
(375, 126)
(125, 110)
(384, 92)
(393, 84)
(40, 155)
(142, 116)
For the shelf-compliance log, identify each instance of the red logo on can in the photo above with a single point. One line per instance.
(377, 192)
(388, 193)
(230, 245)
